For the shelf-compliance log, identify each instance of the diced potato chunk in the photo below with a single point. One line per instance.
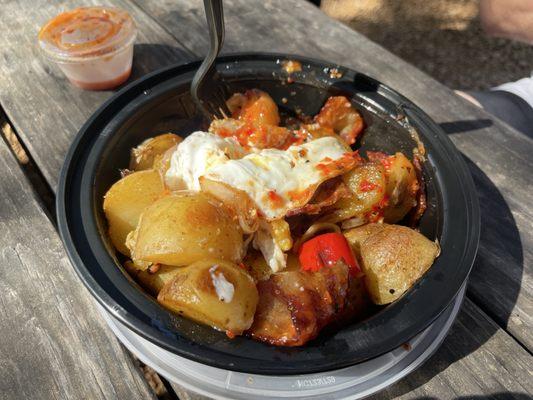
(186, 227)
(367, 184)
(151, 151)
(125, 201)
(402, 188)
(213, 292)
(393, 258)
(358, 235)
(152, 282)
(162, 164)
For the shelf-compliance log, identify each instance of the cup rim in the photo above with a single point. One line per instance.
(116, 45)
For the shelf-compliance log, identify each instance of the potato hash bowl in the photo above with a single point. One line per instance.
(271, 226)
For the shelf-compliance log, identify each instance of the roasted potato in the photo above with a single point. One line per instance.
(152, 282)
(357, 236)
(367, 185)
(162, 162)
(151, 150)
(393, 258)
(214, 292)
(402, 188)
(185, 227)
(125, 201)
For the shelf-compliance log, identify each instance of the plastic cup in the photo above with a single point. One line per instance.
(93, 46)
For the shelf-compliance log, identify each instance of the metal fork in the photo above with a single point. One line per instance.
(207, 91)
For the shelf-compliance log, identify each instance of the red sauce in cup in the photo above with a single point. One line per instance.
(93, 46)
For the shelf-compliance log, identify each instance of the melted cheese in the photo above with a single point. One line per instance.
(282, 180)
(193, 157)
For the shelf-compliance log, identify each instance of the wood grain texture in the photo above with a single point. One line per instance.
(45, 109)
(53, 342)
(42, 105)
(477, 359)
(47, 112)
(499, 157)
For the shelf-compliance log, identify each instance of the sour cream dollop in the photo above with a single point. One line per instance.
(224, 289)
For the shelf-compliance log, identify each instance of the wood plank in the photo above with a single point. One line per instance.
(53, 342)
(504, 263)
(477, 358)
(499, 157)
(45, 109)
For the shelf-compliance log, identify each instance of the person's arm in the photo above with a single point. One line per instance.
(511, 19)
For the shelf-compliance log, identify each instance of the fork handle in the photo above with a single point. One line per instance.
(214, 14)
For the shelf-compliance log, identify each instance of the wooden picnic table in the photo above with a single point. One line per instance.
(53, 341)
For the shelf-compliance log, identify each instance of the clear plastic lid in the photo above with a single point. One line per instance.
(87, 32)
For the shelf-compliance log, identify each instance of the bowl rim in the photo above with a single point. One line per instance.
(215, 358)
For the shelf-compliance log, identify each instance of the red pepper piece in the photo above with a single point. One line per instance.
(325, 251)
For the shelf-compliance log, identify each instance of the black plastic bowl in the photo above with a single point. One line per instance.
(160, 102)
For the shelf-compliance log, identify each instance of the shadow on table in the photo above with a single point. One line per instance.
(149, 57)
(499, 247)
(465, 125)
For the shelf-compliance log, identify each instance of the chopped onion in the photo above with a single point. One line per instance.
(237, 200)
(353, 223)
(313, 230)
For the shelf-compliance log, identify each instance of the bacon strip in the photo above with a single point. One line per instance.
(326, 195)
(294, 306)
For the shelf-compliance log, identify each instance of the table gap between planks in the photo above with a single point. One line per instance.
(479, 357)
